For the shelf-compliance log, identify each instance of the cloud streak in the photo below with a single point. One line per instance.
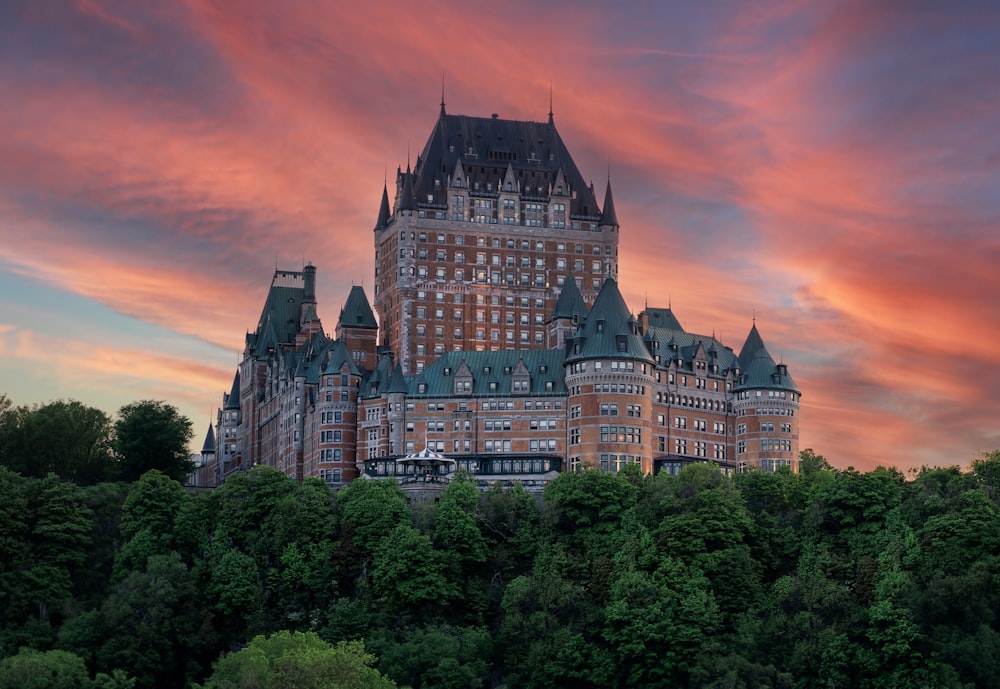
(831, 167)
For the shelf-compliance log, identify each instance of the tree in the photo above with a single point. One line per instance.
(298, 660)
(66, 438)
(31, 669)
(152, 435)
(409, 572)
(61, 539)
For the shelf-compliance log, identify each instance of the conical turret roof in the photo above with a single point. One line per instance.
(759, 369)
(383, 212)
(570, 302)
(408, 201)
(610, 331)
(208, 447)
(608, 215)
(233, 398)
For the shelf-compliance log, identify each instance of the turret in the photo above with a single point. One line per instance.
(766, 404)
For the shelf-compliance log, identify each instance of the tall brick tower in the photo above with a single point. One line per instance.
(480, 237)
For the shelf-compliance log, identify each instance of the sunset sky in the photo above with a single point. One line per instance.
(832, 167)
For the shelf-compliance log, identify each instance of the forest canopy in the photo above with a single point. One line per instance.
(823, 578)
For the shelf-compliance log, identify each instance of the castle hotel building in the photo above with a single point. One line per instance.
(502, 340)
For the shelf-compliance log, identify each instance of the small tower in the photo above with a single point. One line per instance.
(570, 310)
(766, 405)
(358, 330)
(609, 379)
(609, 229)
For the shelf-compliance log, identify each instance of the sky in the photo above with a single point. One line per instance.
(829, 168)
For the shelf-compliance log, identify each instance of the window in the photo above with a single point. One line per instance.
(609, 409)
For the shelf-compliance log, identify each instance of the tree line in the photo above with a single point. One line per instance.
(83, 444)
(829, 578)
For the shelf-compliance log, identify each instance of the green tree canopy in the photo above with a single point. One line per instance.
(152, 435)
(298, 660)
(66, 438)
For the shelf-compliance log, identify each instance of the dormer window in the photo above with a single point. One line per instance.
(422, 388)
(599, 327)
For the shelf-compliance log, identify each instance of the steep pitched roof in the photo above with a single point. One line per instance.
(759, 369)
(544, 366)
(357, 313)
(397, 383)
(610, 331)
(662, 318)
(407, 201)
(233, 398)
(570, 302)
(489, 148)
(338, 357)
(383, 212)
(608, 215)
(208, 447)
(279, 320)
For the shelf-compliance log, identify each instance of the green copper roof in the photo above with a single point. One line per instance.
(338, 357)
(544, 368)
(397, 383)
(570, 302)
(279, 320)
(663, 318)
(357, 313)
(610, 331)
(759, 369)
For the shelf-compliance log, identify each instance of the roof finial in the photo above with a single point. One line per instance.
(442, 93)
(551, 121)
(754, 312)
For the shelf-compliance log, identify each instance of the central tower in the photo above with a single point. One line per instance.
(474, 248)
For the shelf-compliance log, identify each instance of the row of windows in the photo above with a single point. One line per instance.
(766, 445)
(691, 401)
(700, 447)
(616, 463)
(773, 394)
(621, 434)
(497, 242)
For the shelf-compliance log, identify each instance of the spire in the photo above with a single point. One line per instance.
(608, 215)
(233, 398)
(408, 202)
(754, 343)
(570, 302)
(209, 446)
(383, 211)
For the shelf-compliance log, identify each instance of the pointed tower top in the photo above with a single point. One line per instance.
(608, 215)
(233, 398)
(209, 446)
(357, 313)
(570, 302)
(397, 383)
(408, 202)
(610, 331)
(383, 211)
